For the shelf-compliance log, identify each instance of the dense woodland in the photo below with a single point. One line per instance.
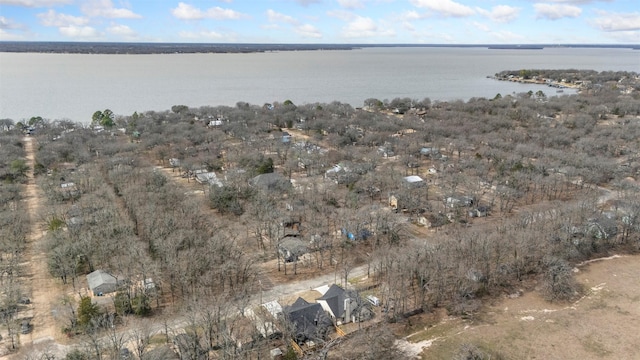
(554, 179)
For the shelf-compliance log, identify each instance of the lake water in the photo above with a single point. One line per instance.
(74, 86)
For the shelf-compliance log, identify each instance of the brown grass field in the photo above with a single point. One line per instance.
(602, 324)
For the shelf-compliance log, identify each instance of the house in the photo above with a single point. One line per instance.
(101, 282)
(337, 303)
(602, 228)
(216, 122)
(429, 151)
(458, 201)
(433, 220)
(480, 211)
(208, 178)
(386, 150)
(373, 300)
(174, 162)
(291, 248)
(348, 172)
(309, 320)
(68, 185)
(274, 308)
(413, 181)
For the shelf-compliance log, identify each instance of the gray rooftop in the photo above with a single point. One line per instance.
(100, 277)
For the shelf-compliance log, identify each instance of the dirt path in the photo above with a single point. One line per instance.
(46, 331)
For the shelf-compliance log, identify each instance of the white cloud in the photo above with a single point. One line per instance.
(205, 34)
(122, 30)
(105, 8)
(8, 24)
(78, 31)
(481, 26)
(413, 15)
(445, 7)
(35, 3)
(351, 4)
(11, 30)
(341, 14)
(555, 12)
(308, 31)
(609, 21)
(501, 13)
(408, 26)
(52, 18)
(8, 36)
(364, 27)
(308, 2)
(304, 30)
(506, 37)
(190, 12)
(187, 12)
(629, 37)
(577, 2)
(276, 17)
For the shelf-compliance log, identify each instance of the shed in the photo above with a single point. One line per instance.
(413, 181)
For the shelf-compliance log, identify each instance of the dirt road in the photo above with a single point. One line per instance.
(43, 288)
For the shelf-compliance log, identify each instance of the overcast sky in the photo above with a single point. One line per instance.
(324, 21)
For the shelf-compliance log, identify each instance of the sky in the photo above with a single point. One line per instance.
(324, 21)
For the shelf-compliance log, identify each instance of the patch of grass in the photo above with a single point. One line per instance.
(621, 311)
(598, 304)
(158, 339)
(438, 331)
(595, 346)
(515, 334)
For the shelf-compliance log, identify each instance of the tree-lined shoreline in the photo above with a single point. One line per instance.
(196, 48)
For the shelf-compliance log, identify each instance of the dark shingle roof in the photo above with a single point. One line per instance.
(308, 319)
(335, 297)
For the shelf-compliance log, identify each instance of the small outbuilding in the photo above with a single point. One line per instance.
(413, 181)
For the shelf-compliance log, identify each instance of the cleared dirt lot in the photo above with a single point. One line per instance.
(603, 324)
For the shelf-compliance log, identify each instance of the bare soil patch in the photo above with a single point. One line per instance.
(603, 324)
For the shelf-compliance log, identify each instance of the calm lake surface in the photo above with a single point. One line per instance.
(74, 86)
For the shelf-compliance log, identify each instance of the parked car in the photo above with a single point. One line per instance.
(26, 327)
(24, 300)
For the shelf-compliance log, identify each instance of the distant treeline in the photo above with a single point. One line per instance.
(189, 48)
(157, 48)
(570, 75)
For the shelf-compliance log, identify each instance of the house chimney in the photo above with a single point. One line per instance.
(347, 310)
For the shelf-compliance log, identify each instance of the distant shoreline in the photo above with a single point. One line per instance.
(200, 48)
